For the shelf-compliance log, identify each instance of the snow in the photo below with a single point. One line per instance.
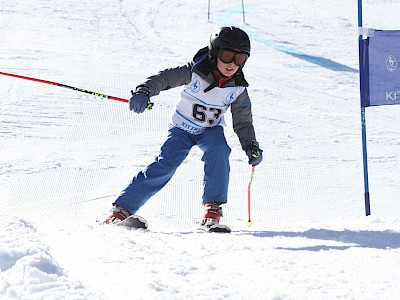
(65, 156)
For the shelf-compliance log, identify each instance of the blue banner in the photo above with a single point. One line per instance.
(380, 69)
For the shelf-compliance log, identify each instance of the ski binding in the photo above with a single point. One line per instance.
(218, 228)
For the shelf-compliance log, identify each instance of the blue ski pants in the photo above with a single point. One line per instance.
(173, 152)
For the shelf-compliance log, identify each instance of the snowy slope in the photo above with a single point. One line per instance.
(65, 156)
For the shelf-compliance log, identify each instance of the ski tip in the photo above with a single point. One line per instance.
(134, 222)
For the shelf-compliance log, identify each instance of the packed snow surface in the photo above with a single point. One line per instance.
(66, 155)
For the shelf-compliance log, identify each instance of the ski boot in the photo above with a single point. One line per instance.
(117, 214)
(211, 217)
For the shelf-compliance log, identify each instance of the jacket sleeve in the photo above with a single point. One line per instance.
(168, 79)
(243, 119)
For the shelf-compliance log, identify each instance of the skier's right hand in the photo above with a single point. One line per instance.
(140, 100)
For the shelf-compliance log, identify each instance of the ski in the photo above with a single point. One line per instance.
(138, 222)
(134, 222)
(217, 228)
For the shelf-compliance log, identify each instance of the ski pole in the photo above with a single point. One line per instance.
(249, 221)
(149, 105)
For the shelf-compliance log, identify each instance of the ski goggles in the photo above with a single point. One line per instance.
(228, 56)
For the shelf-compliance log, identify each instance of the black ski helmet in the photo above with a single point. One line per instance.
(231, 38)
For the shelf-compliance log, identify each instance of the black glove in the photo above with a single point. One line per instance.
(254, 153)
(140, 100)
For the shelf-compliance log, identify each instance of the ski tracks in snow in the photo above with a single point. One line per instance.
(160, 263)
(149, 33)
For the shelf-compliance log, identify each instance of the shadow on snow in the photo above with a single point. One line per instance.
(386, 239)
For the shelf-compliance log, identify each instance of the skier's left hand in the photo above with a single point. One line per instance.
(140, 100)
(254, 153)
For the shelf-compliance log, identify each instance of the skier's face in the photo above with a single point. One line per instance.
(227, 69)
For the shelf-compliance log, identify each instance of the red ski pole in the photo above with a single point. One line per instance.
(249, 221)
(149, 105)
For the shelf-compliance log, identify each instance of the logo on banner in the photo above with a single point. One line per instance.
(391, 63)
(393, 96)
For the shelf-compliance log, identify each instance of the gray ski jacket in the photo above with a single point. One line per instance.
(202, 102)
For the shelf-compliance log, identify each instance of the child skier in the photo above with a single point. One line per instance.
(212, 83)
